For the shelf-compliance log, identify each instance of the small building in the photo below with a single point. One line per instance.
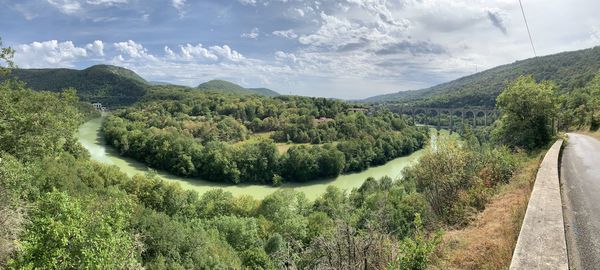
(98, 106)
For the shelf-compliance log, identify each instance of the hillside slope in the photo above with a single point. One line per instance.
(568, 69)
(220, 86)
(113, 86)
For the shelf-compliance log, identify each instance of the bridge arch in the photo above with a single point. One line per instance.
(447, 117)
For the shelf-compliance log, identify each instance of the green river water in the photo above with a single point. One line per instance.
(90, 137)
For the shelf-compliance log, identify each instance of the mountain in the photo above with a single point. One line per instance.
(221, 86)
(113, 86)
(569, 70)
(158, 83)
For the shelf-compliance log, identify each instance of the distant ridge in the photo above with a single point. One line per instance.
(112, 85)
(221, 86)
(569, 70)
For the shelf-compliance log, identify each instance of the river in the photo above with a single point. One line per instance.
(90, 137)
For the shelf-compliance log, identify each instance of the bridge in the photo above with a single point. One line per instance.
(468, 114)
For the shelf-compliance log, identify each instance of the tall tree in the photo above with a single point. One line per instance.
(6, 55)
(528, 110)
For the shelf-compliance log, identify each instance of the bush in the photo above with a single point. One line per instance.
(415, 251)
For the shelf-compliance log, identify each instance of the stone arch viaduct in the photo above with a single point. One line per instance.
(468, 115)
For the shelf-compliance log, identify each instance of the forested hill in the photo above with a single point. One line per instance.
(569, 70)
(220, 86)
(114, 86)
(108, 84)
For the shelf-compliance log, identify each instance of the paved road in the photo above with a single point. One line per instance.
(580, 177)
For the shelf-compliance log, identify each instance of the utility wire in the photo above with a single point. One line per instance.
(527, 25)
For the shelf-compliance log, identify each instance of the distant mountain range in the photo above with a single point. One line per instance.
(117, 86)
(221, 86)
(114, 86)
(568, 69)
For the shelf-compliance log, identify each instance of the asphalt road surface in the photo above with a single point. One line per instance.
(580, 178)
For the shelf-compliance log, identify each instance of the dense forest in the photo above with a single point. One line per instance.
(101, 83)
(235, 139)
(569, 70)
(60, 210)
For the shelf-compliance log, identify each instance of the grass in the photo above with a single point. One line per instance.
(488, 242)
(281, 147)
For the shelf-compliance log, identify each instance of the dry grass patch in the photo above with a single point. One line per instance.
(595, 134)
(488, 242)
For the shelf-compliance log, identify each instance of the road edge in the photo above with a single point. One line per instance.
(542, 242)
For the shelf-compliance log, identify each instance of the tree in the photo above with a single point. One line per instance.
(415, 251)
(36, 124)
(14, 181)
(6, 54)
(581, 106)
(528, 111)
(65, 234)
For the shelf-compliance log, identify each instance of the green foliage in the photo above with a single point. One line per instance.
(218, 137)
(111, 85)
(415, 251)
(528, 110)
(174, 244)
(286, 210)
(36, 124)
(256, 258)
(581, 107)
(15, 180)
(241, 233)
(66, 233)
(457, 180)
(570, 70)
(6, 55)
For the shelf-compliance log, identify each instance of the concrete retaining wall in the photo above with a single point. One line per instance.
(541, 243)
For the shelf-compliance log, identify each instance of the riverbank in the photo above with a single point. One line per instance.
(90, 136)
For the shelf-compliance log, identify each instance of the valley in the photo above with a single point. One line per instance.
(236, 135)
(90, 136)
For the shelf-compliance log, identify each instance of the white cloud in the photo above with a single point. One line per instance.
(179, 5)
(133, 49)
(345, 48)
(169, 52)
(248, 2)
(289, 34)
(76, 7)
(379, 8)
(66, 6)
(26, 11)
(596, 35)
(253, 34)
(107, 2)
(96, 47)
(226, 53)
(198, 52)
(336, 33)
(49, 53)
(282, 56)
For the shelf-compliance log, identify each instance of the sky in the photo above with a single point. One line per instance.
(346, 49)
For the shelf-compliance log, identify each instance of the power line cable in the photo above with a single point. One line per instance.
(527, 25)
